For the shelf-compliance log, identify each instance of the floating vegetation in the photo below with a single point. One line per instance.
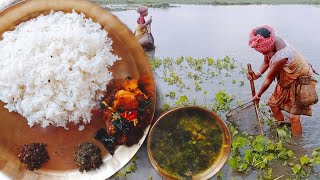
(185, 77)
(250, 153)
(210, 83)
(129, 168)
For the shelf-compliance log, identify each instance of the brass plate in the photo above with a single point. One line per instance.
(61, 144)
(225, 146)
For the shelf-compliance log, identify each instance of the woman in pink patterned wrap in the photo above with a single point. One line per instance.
(286, 65)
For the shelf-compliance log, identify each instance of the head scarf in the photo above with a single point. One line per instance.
(260, 43)
(142, 9)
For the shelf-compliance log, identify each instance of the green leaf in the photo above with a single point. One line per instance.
(247, 156)
(317, 160)
(315, 153)
(280, 146)
(258, 147)
(296, 168)
(282, 133)
(243, 167)
(239, 142)
(290, 153)
(172, 94)
(261, 165)
(304, 160)
(166, 106)
(210, 61)
(182, 100)
(260, 139)
(269, 174)
(233, 130)
(270, 157)
(259, 144)
(234, 162)
(130, 169)
(205, 92)
(283, 155)
(271, 147)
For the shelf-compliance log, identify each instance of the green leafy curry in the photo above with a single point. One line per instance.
(187, 144)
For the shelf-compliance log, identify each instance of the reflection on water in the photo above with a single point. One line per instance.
(216, 31)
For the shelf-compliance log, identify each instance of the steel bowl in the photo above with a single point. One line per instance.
(173, 115)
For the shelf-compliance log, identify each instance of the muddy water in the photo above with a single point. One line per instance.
(216, 31)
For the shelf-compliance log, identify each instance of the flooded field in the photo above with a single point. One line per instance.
(202, 31)
(214, 32)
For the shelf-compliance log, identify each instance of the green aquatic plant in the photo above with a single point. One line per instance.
(223, 101)
(258, 152)
(179, 60)
(172, 94)
(182, 100)
(251, 153)
(129, 168)
(168, 63)
(155, 63)
(198, 87)
(174, 79)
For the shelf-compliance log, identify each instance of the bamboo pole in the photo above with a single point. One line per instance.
(253, 92)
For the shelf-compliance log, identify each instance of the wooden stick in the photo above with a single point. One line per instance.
(253, 92)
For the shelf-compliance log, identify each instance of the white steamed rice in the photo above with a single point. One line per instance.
(52, 66)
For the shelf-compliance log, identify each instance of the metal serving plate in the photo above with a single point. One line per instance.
(61, 144)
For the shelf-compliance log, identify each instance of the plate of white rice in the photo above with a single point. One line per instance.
(57, 59)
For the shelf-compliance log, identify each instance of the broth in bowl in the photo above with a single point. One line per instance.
(187, 142)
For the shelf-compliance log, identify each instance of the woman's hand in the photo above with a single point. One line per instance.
(254, 75)
(256, 99)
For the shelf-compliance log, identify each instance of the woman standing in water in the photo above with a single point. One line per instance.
(286, 65)
(142, 25)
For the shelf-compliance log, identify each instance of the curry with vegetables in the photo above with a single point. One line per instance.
(186, 144)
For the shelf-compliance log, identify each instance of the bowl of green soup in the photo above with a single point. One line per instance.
(188, 143)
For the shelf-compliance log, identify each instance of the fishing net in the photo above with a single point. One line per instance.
(245, 117)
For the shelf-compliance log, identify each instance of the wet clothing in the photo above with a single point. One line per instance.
(284, 95)
(140, 31)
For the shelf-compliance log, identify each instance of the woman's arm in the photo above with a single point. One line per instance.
(274, 70)
(265, 65)
(263, 68)
(144, 24)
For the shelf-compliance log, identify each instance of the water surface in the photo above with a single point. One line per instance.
(216, 31)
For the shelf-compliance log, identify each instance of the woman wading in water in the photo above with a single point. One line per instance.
(142, 24)
(288, 66)
(143, 29)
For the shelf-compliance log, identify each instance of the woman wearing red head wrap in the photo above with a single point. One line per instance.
(286, 65)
